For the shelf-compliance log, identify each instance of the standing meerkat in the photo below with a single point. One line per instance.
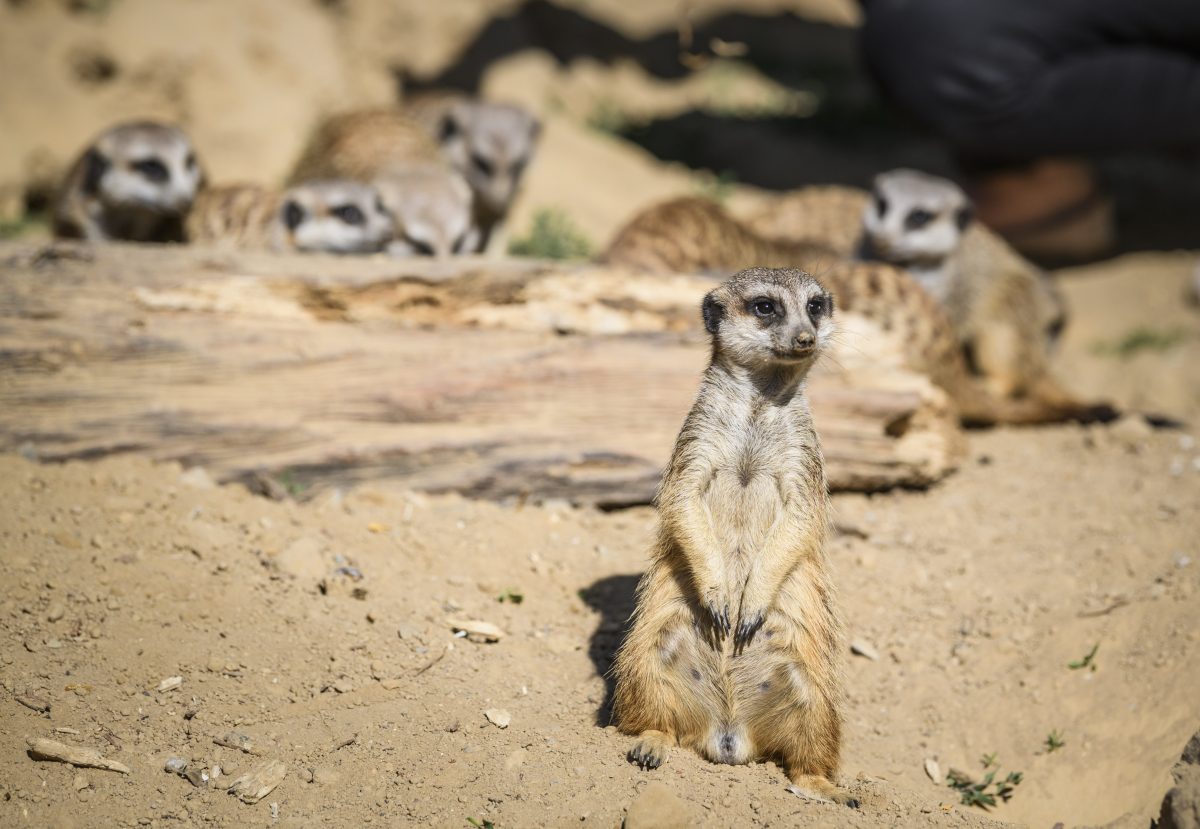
(135, 182)
(694, 235)
(335, 216)
(490, 144)
(735, 649)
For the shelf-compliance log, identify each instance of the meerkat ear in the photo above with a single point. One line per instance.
(712, 311)
(94, 167)
(964, 217)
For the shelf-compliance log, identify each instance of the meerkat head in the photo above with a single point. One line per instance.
(145, 166)
(431, 207)
(915, 218)
(491, 145)
(334, 216)
(769, 318)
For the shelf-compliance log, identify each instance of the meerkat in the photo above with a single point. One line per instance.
(691, 234)
(431, 208)
(735, 648)
(1007, 313)
(135, 183)
(694, 235)
(490, 144)
(333, 216)
(363, 145)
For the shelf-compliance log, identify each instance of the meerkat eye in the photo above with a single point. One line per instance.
(482, 164)
(881, 205)
(763, 307)
(152, 169)
(819, 306)
(293, 215)
(917, 218)
(421, 248)
(350, 214)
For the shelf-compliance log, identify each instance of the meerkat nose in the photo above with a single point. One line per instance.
(805, 339)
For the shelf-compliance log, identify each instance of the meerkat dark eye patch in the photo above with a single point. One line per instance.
(447, 129)
(94, 168)
(713, 312)
(764, 307)
(293, 215)
(964, 217)
(420, 247)
(151, 169)
(482, 164)
(351, 214)
(820, 306)
(918, 218)
(190, 161)
(881, 205)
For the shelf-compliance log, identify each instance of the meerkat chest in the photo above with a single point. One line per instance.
(755, 481)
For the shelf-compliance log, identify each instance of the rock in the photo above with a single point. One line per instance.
(933, 770)
(170, 683)
(175, 765)
(657, 807)
(43, 749)
(55, 612)
(259, 782)
(861, 647)
(477, 630)
(498, 717)
(238, 740)
(42, 706)
(80, 782)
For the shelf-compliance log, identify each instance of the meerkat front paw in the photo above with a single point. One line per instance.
(651, 750)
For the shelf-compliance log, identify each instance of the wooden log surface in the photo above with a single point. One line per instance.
(494, 379)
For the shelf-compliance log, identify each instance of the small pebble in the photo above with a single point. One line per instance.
(861, 647)
(498, 717)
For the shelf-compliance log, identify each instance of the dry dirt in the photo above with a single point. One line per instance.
(976, 595)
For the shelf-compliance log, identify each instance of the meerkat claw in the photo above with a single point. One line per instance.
(720, 621)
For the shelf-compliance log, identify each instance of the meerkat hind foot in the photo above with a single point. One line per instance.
(812, 787)
(650, 751)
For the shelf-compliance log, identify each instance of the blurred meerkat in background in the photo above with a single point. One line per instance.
(330, 216)
(491, 145)
(430, 205)
(135, 182)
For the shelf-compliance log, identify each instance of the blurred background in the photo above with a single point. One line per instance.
(639, 100)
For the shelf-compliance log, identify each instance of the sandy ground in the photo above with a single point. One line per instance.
(975, 595)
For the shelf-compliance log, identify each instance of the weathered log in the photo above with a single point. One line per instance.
(494, 380)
